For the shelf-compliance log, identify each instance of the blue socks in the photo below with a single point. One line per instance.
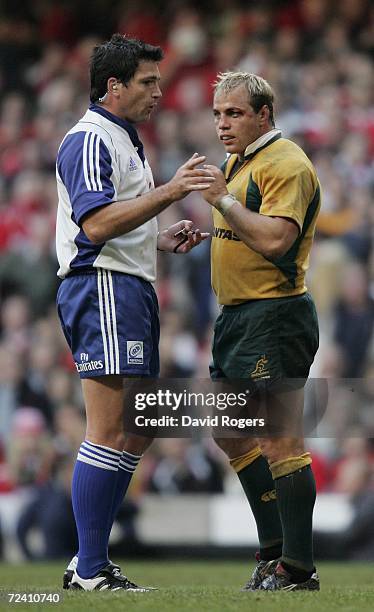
(93, 488)
(126, 468)
(100, 480)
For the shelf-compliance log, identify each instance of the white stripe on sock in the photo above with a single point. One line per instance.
(129, 462)
(96, 463)
(106, 456)
(102, 447)
(126, 467)
(131, 456)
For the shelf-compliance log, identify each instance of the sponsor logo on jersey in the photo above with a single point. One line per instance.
(225, 234)
(88, 366)
(135, 352)
(132, 165)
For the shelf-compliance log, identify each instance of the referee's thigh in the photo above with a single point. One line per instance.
(103, 398)
(104, 402)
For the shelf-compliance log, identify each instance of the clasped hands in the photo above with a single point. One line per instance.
(180, 237)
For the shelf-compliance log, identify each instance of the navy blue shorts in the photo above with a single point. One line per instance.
(111, 323)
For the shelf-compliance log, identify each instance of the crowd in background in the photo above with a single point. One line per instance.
(318, 56)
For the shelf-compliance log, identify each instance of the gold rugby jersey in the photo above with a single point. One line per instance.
(276, 180)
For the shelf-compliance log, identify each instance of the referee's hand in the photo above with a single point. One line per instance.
(180, 237)
(190, 178)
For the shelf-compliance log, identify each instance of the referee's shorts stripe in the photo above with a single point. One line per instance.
(114, 319)
(108, 322)
(102, 323)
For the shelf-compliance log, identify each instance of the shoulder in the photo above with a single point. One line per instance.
(92, 123)
(284, 159)
(87, 137)
(288, 152)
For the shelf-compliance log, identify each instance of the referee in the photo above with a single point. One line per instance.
(106, 244)
(265, 204)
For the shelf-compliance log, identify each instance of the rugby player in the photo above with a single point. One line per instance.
(106, 244)
(265, 203)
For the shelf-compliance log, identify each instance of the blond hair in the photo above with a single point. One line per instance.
(260, 92)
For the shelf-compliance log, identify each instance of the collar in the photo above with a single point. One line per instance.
(125, 125)
(261, 142)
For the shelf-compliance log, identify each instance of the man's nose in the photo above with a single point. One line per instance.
(223, 123)
(157, 93)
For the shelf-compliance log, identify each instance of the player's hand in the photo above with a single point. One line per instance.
(180, 237)
(190, 178)
(217, 189)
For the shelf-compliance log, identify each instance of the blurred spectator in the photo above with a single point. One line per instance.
(354, 477)
(184, 468)
(30, 452)
(354, 320)
(69, 429)
(51, 513)
(15, 323)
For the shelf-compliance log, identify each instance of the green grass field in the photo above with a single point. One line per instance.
(193, 586)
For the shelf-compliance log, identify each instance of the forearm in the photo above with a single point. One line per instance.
(270, 236)
(121, 217)
(263, 234)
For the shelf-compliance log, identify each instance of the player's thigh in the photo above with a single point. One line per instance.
(103, 398)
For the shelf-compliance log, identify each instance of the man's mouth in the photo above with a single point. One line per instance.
(226, 138)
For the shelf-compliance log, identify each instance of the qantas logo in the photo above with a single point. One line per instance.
(225, 234)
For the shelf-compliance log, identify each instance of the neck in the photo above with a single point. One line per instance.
(261, 140)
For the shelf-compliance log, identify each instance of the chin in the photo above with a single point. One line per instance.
(232, 149)
(146, 116)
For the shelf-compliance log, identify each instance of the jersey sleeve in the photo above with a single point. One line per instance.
(287, 188)
(86, 167)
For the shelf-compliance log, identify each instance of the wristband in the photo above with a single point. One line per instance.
(225, 203)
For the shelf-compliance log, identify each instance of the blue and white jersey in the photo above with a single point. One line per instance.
(100, 161)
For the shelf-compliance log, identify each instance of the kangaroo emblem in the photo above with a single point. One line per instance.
(260, 369)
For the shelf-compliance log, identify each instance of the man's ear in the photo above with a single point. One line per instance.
(112, 85)
(264, 114)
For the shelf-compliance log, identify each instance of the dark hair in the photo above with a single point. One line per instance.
(118, 57)
(257, 101)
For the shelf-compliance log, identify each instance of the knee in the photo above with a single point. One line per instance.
(136, 445)
(112, 438)
(281, 448)
(236, 447)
